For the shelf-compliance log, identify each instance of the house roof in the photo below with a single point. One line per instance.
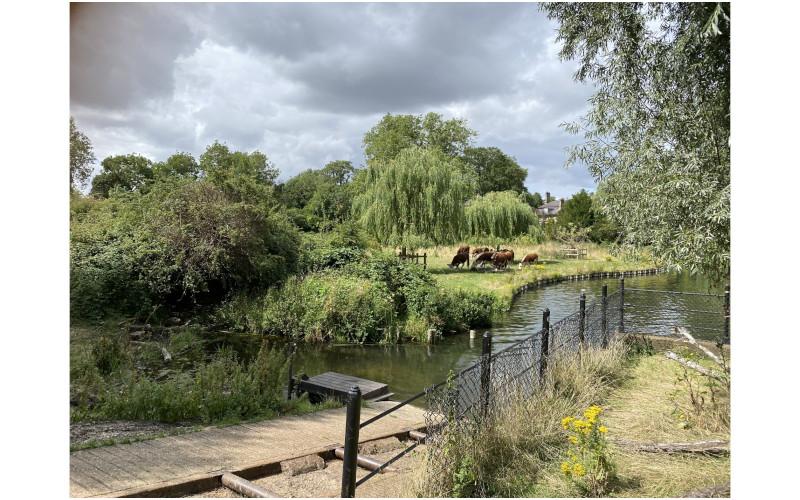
(549, 208)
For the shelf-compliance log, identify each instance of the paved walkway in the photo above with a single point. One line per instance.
(130, 468)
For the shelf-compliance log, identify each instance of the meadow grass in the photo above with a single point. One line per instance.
(503, 283)
(519, 454)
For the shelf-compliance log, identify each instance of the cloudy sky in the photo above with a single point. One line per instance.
(304, 82)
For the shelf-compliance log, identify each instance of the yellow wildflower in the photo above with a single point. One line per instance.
(565, 422)
(603, 429)
(573, 440)
(578, 469)
(565, 468)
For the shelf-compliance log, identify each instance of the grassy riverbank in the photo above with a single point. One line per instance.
(502, 284)
(645, 399)
(168, 378)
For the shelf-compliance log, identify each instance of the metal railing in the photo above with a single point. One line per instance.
(495, 378)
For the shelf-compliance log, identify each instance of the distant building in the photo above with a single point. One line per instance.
(550, 208)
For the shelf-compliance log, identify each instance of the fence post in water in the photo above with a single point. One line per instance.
(582, 323)
(604, 316)
(545, 344)
(486, 371)
(290, 386)
(352, 423)
(726, 333)
(622, 305)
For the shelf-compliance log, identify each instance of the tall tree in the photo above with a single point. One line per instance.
(395, 133)
(495, 170)
(498, 216)
(177, 165)
(243, 176)
(81, 156)
(130, 172)
(415, 199)
(534, 200)
(657, 133)
(577, 210)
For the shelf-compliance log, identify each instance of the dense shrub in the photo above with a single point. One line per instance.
(183, 242)
(329, 306)
(332, 249)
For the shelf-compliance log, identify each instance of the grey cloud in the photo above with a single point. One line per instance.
(304, 82)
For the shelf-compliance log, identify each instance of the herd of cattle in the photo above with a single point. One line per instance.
(484, 255)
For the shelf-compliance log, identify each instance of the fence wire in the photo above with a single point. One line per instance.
(460, 404)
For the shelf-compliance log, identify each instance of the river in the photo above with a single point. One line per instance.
(409, 368)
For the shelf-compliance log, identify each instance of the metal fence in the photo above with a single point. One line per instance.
(488, 385)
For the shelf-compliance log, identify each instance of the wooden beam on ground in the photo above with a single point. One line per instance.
(694, 366)
(364, 461)
(418, 436)
(702, 447)
(245, 487)
(683, 331)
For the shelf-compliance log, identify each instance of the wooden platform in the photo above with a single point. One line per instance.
(179, 465)
(337, 385)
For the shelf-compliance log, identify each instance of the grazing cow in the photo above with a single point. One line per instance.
(482, 258)
(510, 254)
(463, 249)
(501, 260)
(459, 260)
(531, 258)
(481, 250)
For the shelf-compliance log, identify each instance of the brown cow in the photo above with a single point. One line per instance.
(481, 250)
(459, 260)
(531, 258)
(508, 252)
(463, 249)
(482, 258)
(501, 260)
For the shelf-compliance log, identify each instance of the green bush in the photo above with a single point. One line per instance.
(328, 306)
(184, 242)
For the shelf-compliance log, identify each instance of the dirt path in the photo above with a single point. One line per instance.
(127, 469)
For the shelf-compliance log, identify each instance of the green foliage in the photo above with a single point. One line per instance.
(494, 170)
(498, 216)
(183, 240)
(417, 197)
(247, 177)
(223, 388)
(332, 249)
(534, 200)
(177, 165)
(325, 307)
(320, 198)
(577, 210)
(124, 172)
(658, 131)
(588, 463)
(394, 133)
(81, 156)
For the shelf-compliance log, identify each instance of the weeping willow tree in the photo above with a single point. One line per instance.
(415, 199)
(500, 215)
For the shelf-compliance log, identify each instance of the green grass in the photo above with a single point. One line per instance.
(502, 284)
(519, 454)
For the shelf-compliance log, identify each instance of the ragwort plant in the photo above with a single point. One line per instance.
(588, 463)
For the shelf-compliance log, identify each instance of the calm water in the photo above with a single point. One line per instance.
(409, 368)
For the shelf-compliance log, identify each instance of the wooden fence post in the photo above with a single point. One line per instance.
(290, 387)
(352, 423)
(622, 305)
(545, 344)
(486, 371)
(604, 316)
(425, 260)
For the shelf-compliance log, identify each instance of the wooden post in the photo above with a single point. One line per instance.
(582, 323)
(352, 422)
(545, 344)
(425, 261)
(726, 333)
(622, 305)
(486, 371)
(604, 317)
(290, 387)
